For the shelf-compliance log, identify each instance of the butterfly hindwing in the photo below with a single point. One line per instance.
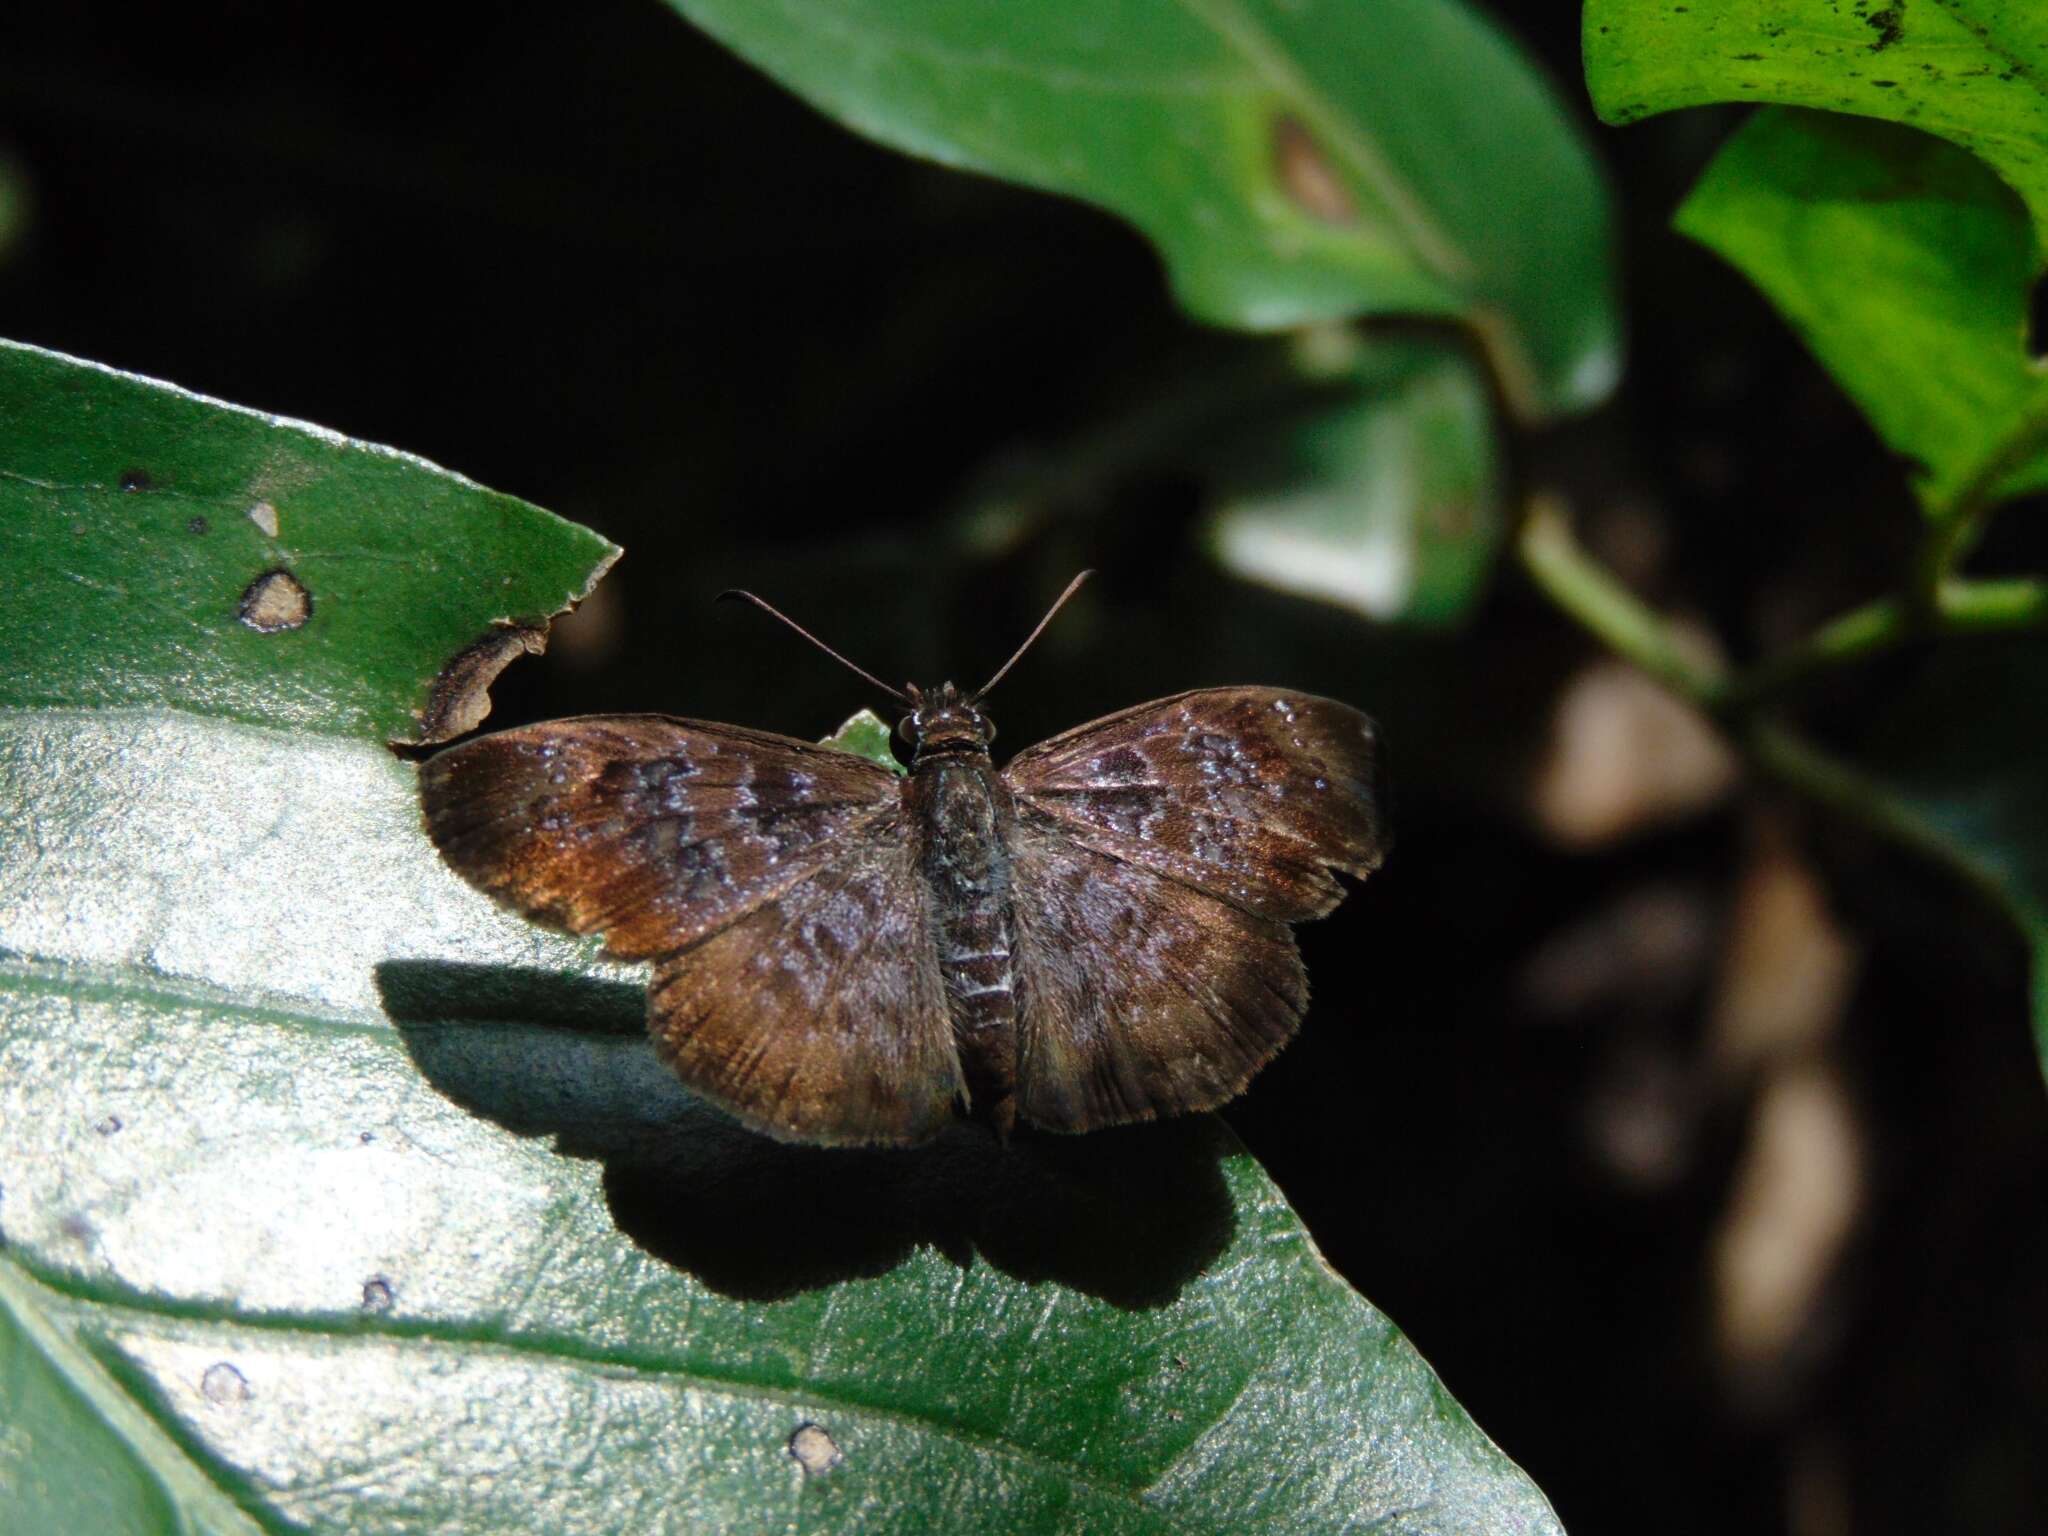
(822, 1013)
(1138, 996)
(1253, 795)
(769, 878)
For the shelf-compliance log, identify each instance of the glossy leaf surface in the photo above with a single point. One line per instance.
(380, 1200)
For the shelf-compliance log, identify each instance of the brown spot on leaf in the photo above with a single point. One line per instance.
(815, 1451)
(275, 601)
(378, 1295)
(1888, 24)
(1305, 171)
(264, 516)
(196, 525)
(133, 480)
(461, 695)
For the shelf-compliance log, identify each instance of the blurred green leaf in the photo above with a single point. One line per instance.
(1967, 748)
(1292, 163)
(342, 1200)
(1363, 471)
(1904, 263)
(141, 527)
(1966, 70)
(866, 734)
(1382, 495)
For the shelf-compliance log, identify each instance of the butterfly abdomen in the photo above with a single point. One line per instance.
(963, 819)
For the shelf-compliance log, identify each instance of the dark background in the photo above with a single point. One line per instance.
(583, 255)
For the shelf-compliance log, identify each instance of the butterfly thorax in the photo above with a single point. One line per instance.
(963, 813)
(942, 723)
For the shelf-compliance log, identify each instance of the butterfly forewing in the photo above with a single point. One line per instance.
(770, 878)
(652, 831)
(1252, 795)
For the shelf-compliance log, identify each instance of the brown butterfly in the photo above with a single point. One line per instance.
(843, 954)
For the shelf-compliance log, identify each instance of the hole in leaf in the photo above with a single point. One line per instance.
(275, 601)
(815, 1450)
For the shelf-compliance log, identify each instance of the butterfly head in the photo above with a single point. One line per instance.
(942, 720)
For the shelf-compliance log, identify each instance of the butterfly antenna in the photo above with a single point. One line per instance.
(1058, 603)
(775, 613)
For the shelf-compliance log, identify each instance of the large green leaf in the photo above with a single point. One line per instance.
(164, 548)
(1905, 265)
(338, 1199)
(378, 1199)
(1290, 162)
(1968, 70)
(1966, 749)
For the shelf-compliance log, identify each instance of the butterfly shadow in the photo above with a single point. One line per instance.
(1130, 1216)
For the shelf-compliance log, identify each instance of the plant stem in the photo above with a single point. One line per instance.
(1589, 593)
(1957, 607)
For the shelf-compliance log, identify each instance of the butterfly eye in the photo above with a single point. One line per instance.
(908, 727)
